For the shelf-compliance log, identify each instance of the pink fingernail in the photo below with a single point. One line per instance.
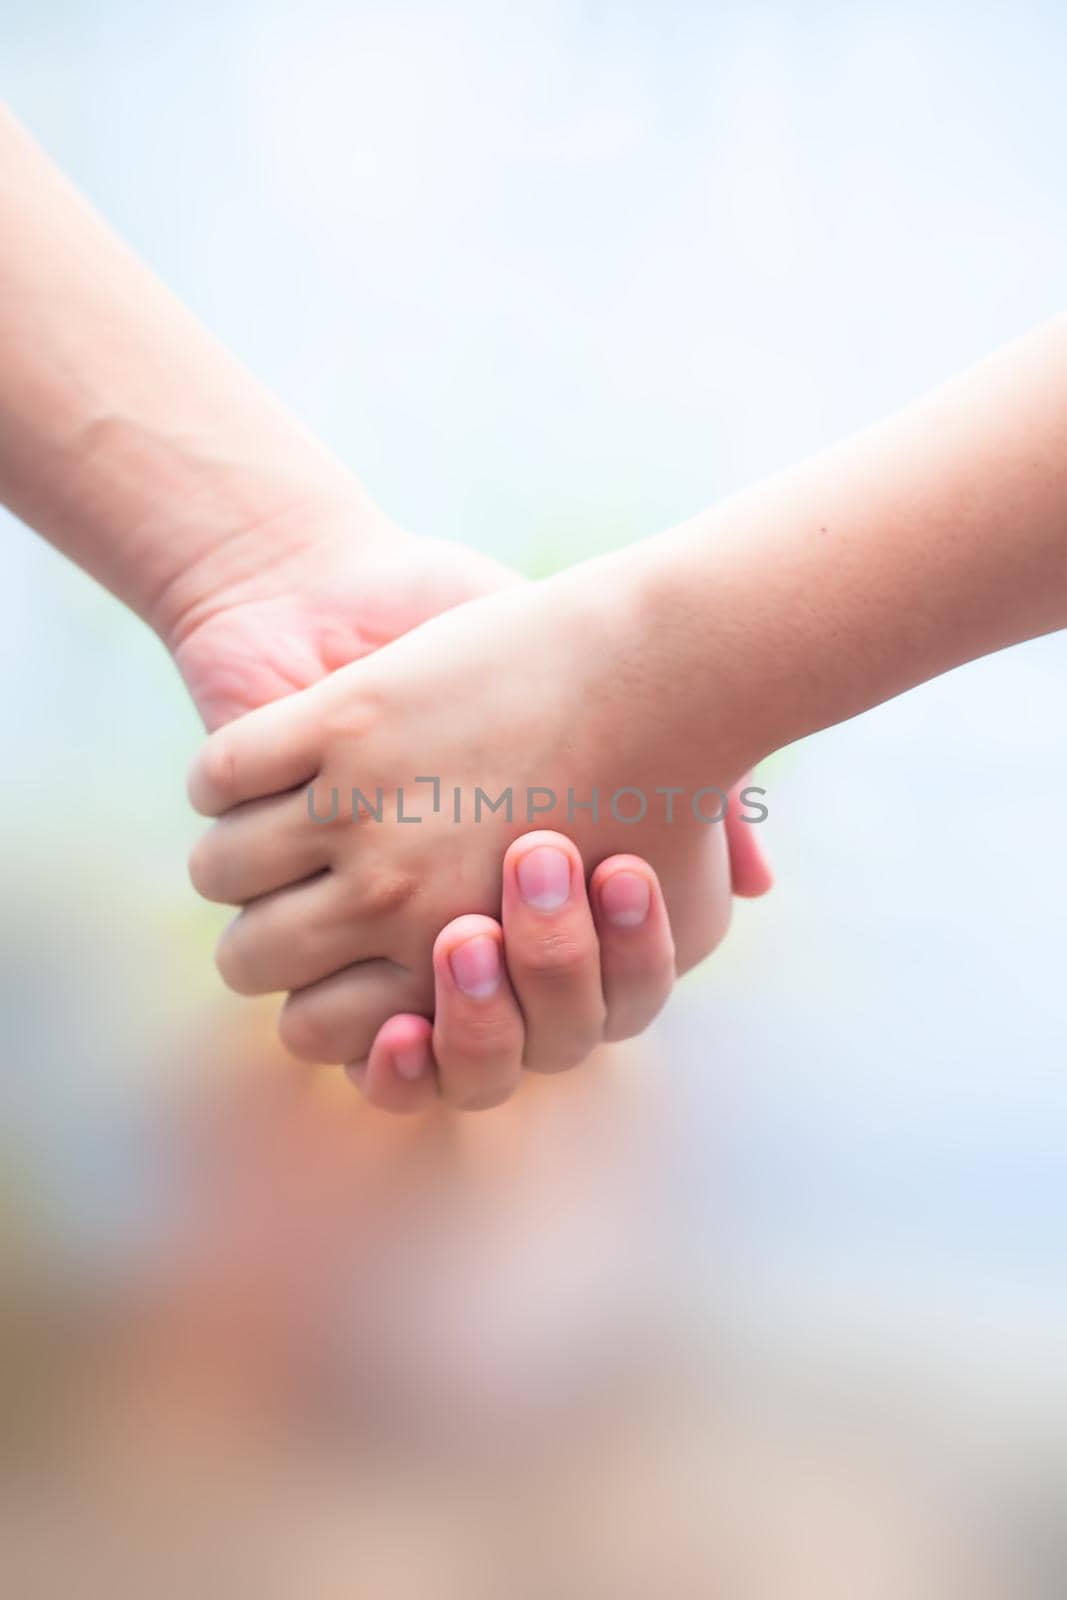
(625, 898)
(544, 877)
(476, 966)
(411, 1061)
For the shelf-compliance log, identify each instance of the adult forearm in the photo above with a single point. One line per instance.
(129, 437)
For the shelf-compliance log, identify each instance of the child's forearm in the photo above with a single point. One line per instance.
(128, 436)
(923, 543)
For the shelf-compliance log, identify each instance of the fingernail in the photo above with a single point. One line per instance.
(544, 878)
(476, 966)
(625, 898)
(411, 1061)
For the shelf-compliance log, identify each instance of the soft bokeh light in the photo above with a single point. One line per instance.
(773, 1303)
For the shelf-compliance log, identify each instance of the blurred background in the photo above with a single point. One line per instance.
(773, 1303)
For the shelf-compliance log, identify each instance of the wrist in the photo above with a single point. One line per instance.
(689, 640)
(231, 534)
(178, 524)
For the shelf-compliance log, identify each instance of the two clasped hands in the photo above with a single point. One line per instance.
(331, 653)
(431, 940)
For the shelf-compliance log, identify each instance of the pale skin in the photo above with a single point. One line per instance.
(934, 538)
(137, 445)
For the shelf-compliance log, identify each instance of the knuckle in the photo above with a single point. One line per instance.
(213, 870)
(232, 961)
(327, 809)
(352, 716)
(476, 1047)
(202, 868)
(218, 768)
(482, 1039)
(388, 893)
(308, 1032)
(554, 956)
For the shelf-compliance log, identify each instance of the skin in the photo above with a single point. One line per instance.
(570, 978)
(341, 894)
(137, 445)
(937, 537)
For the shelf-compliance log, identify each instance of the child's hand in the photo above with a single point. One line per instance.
(538, 990)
